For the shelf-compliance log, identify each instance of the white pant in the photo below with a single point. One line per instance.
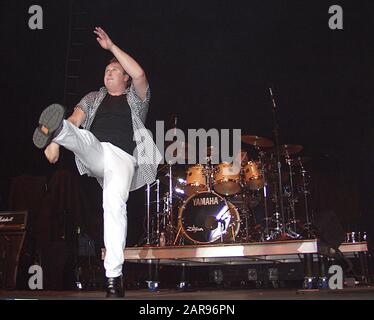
(116, 166)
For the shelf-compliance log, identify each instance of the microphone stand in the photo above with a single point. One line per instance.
(279, 165)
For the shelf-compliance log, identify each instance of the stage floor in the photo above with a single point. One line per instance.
(358, 293)
(236, 253)
(227, 254)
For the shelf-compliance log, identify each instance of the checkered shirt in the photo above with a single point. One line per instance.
(146, 153)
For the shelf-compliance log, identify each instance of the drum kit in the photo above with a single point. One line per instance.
(263, 195)
(235, 202)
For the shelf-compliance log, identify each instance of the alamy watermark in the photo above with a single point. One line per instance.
(336, 278)
(36, 280)
(336, 20)
(36, 20)
(173, 147)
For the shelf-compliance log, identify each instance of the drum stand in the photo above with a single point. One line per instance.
(178, 236)
(275, 231)
(246, 217)
(265, 194)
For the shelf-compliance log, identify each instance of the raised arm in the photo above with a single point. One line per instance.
(133, 69)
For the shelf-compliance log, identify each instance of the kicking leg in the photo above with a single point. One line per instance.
(84, 145)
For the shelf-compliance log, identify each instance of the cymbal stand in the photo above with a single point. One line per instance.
(277, 230)
(293, 222)
(246, 217)
(265, 193)
(308, 224)
(279, 171)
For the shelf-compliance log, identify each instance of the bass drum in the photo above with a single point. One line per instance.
(206, 217)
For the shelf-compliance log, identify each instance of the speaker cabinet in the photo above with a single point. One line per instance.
(12, 236)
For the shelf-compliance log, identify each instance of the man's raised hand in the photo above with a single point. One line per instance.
(103, 39)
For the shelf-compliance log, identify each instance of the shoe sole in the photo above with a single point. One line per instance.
(51, 118)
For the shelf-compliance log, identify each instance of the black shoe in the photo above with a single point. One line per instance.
(50, 124)
(114, 288)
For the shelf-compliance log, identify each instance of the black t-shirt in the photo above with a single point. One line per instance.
(113, 123)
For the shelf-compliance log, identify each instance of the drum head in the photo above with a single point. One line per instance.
(206, 217)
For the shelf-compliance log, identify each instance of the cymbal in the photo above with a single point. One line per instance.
(288, 149)
(258, 141)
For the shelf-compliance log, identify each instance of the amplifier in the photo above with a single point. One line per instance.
(13, 220)
(12, 236)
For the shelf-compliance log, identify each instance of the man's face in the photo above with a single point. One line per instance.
(114, 77)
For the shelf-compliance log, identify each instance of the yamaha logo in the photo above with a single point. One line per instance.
(205, 201)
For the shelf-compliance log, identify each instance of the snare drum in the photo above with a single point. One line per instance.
(226, 179)
(195, 179)
(253, 178)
